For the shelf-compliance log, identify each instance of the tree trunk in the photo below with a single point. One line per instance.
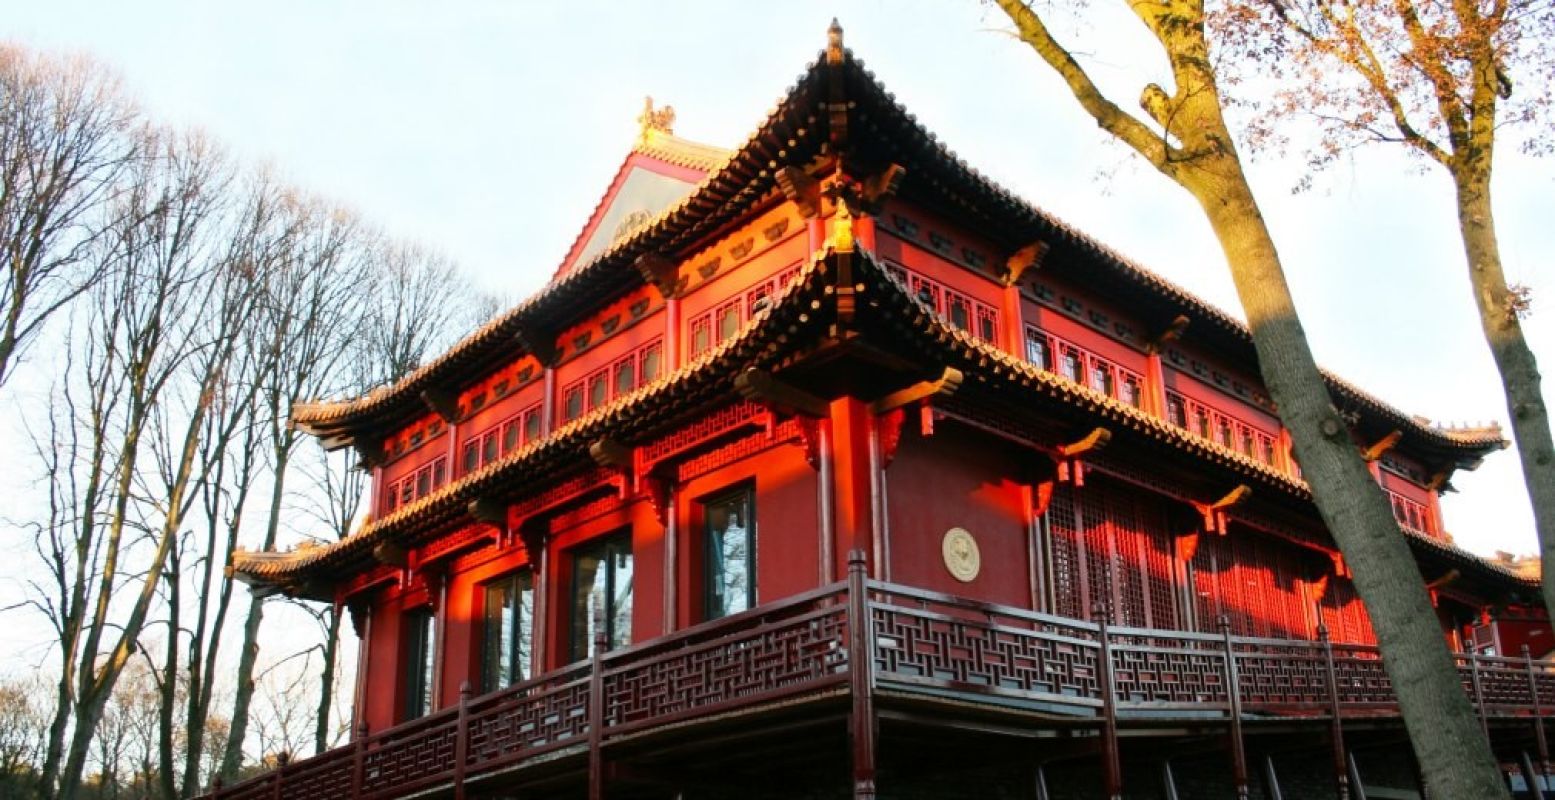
(1454, 755)
(1514, 360)
(327, 682)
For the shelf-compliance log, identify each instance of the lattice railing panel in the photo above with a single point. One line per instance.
(328, 775)
(1276, 676)
(1037, 657)
(534, 716)
(416, 756)
(1502, 681)
(797, 648)
(1361, 678)
(1192, 672)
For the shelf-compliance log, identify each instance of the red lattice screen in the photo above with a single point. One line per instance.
(1111, 546)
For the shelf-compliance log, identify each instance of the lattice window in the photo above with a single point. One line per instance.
(1074, 363)
(959, 309)
(427, 479)
(1412, 515)
(605, 384)
(1223, 429)
(1108, 545)
(1068, 589)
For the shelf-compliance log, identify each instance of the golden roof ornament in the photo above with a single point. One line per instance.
(842, 228)
(834, 43)
(654, 121)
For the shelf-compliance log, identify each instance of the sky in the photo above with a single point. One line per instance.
(489, 130)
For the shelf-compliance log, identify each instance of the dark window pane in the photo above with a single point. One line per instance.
(531, 425)
(1037, 350)
(728, 321)
(419, 655)
(572, 405)
(510, 437)
(423, 482)
(625, 376)
(960, 312)
(650, 362)
(439, 473)
(701, 335)
(509, 625)
(1069, 365)
(489, 448)
(731, 553)
(472, 456)
(601, 594)
(598, 391)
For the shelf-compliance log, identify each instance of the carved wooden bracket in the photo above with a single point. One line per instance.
(391, 554)
(891, 434)
(1188, 546)
(1067, 457)
(442, 404)
(944, 386)
(659, 491)
(491, 512)
(760, 386)
(611, 454)
(539, 342)
(1026, 258)
(1215, 513)
(1041, 497)
(1438, 482)
(1382, 446)
(358, 612)
(660, 273)
(873, 191)
(801, 189)
(1174, 331)
(810, 438)
(370, 451)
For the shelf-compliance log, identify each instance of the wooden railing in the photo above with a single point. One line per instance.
(915, 641)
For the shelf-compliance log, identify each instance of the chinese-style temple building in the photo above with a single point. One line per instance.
(826, 467)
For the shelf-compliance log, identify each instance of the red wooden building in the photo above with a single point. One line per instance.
(826, 462)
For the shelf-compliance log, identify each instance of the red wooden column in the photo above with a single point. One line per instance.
(862, 723)
(1155, 385)
(548, 403)
(1014, 325)
(854, 480)
(672, 334)
(864, 231)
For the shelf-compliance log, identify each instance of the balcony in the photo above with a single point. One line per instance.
(909, 648)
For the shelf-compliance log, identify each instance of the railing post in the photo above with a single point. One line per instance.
(358, 760)
(462, 740)
(1336, 725)
(1540, 742)
(1479, 695)
(1234, 697)
(861, 678)
(1112, 767)
(597, 719)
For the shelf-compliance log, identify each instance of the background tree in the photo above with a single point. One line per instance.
(1186, 138)
(64, 140)
(1445, 81)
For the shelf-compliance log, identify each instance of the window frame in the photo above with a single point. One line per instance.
(580, 643)
(711, 609)
(521, 582)
(418, 669)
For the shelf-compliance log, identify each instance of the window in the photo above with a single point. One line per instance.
(608, 383)
(509, 625)
(602, 594)
(960, 310)
(420, 659)
(1037, 350)
(1101, 377)
(728, 321)
(427, 479)
(731, 552)
(1128, 390)
(701, 335)
(1069, 365)
(1175, 412)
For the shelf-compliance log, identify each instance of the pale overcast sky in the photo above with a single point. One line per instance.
(489, 130)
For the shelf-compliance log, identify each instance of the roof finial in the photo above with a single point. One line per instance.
(651, 120)
(842, 228)
(834, 43)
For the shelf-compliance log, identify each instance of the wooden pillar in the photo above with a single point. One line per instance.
(1271, 779)
(1335, 724)
(1040, 783)
(439, 596)
(815, 231)
(1014, 333)
(358, 761)
(672, 357)
(453, 451)
(671, 557)
(1168, 780)
(548, 403)
(1112, 766)
(597, 718)
(825, 490)
(1234, 699)
(861, 679)
(880, 526)
(1357, 788)
(364, 646)
(1155, 385)
(462, 740)
(1531, 777)
(536, 547)
(853, 517)
(1479, 692)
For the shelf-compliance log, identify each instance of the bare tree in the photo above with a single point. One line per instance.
(1445, 81)
(419, 300)
(64, 140)
(24, 725)
(156, 332)
(1184, 135)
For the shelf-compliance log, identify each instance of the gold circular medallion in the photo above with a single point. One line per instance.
(961, 556)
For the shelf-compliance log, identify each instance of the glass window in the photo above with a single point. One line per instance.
(599, 390)
(1037, 350)
(472, 456)
(509, 436)
(423, 482)
(602, 594)
(509, 626)
(701, 335)
(987, 324)
(1101, 377)
(651, 356)
(731, 553)
(1175, 413)
(960, 313)
(625, 376)
(728, 321)
(1128, 390)
(572, 403)
(489, 448)
(1069, 365)
(531, 425)
(420, 656)
(439, 472)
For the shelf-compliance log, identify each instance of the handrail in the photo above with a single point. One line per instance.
(858, 634)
